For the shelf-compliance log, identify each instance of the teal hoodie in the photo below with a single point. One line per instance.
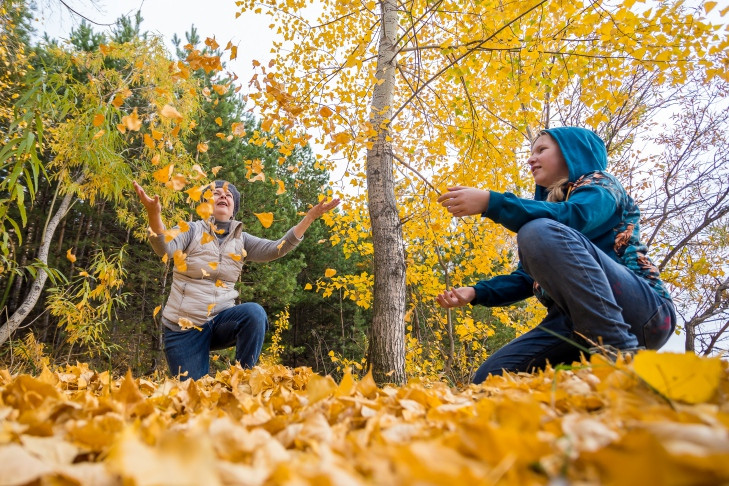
(597, 206)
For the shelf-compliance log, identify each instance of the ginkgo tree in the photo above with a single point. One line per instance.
(414, 96)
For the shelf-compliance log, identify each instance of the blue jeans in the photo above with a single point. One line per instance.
(243, 326)
(593, 296)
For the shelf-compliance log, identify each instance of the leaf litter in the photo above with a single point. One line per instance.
(591, 423)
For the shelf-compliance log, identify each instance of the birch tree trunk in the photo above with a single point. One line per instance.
(386, 353)
(7, 329)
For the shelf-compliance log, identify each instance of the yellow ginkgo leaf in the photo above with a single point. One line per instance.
(156, 311)
(266, 219)
(121, 128)
(99, 134)
(215, 169)
(155, 159)
(308, 287)
(235, 256)
(165, 258)
(84, 273)
(709, 6)
(680, 376)
(148, 142)
(202, 147)
(330, 272)
(169, 111)
(117, 101)
(98, 120)
(71, 257)
(213, 265)
(210, 308)
(219, 283)
(156, 135)
(206, 238)
(183, 226)
(326, 112)
(204, 273)
(219, 121)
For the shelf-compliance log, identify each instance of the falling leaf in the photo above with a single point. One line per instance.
(98, 120)
(156, 135)
(132, 122)
(259, 177)
(233, 52)
(99, 134)
(211, 43)
(204, 210)
(220, 89)
(326, 112)
(330, 272)
(308, 287)
(219, 121)
(680, 376)
(179, 258)
(117, 101)
(148, 142)
(171, 234)
(84, 273)
(176, 182)
(195, 193)
(213, 265)
(198, 172)
(281, 188)
(121, 128)
(186, 323)
(219, 283)
(215, 169)
(169, 111)
(206, 238)
(71, 257)
(155, 159)
(165, 258)
(204, 273)
(163, 175)
(156, 311)
(202, 147)
(709, 6)
(184, 227)
(235, 256)
(210, 308)
(266, 219)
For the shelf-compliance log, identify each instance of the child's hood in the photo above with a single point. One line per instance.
(583, 151)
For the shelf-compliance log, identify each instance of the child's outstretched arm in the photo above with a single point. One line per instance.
(465, 201)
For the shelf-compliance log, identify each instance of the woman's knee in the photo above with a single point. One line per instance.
(256, 314)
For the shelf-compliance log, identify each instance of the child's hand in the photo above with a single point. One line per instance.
(465, 201)
(457, 297)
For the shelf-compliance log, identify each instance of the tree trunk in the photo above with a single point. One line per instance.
(7, 329)
(386, 353)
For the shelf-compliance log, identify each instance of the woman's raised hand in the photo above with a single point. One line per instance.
(456, 297)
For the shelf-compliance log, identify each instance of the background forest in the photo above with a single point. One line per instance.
(80, 120)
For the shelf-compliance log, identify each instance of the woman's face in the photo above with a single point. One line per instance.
(223, 203)
(547, 162)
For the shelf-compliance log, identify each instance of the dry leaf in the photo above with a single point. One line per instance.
(266, 219)
(71, 257)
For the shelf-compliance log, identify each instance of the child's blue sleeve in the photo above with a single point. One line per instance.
(504, 289)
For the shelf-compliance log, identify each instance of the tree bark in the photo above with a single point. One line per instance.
(386, 353)
(7, 329)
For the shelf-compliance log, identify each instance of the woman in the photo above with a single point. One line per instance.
(580, 254)
(200, 314)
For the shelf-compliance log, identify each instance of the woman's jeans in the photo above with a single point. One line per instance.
(593, 296)
(243, 326)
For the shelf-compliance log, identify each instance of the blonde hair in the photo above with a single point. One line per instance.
(559, 190)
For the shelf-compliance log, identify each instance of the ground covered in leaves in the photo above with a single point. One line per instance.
(661, 419)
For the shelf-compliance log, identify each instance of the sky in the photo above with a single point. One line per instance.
(165, 18)
(168, 17)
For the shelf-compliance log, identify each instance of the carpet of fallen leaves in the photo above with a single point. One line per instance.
(660, 419)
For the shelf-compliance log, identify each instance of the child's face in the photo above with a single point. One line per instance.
(547, 162)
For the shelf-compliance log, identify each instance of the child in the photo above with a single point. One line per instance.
(580, 255)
